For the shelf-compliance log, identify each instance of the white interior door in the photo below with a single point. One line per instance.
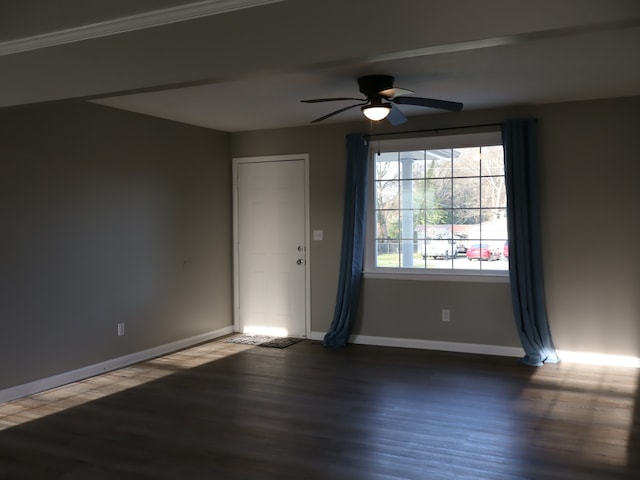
(270, 247)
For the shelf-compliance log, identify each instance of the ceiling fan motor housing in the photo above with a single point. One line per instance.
(373, 85)
(382, 95)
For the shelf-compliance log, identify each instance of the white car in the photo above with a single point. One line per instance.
(445, 249)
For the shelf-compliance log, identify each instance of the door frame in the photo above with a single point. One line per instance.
(236, 161)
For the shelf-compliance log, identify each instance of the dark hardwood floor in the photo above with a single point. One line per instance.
(225, 411)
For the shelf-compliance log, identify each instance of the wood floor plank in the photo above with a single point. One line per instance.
(305, 412)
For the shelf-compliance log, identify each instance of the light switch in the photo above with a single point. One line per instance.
(317, 234)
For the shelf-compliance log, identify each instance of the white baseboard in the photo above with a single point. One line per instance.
(85, 372)
(430, 345)
(589, 358)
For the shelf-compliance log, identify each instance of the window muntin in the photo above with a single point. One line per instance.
(434, 204)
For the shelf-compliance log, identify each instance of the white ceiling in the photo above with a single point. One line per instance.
(237, 65)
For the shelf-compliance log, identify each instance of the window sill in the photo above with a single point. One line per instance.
(438, 276)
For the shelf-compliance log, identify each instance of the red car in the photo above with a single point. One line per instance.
(483, 251)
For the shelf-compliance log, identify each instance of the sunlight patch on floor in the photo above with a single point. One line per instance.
(56, 400)
(595, 403)
(590, 358)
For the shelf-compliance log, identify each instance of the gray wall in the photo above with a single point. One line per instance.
(481, 313)
(588, 170)
(111, 217)
(108, 217)
(591, 224)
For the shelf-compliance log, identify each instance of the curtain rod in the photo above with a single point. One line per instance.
(435, 130)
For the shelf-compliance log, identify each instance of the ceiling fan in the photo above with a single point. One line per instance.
(380, 97)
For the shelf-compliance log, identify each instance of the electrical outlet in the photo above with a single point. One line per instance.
(120, 329)
(446, 315)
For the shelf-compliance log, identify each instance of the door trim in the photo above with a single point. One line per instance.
(261, 159)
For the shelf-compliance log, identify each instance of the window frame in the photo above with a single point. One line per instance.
(431, 142)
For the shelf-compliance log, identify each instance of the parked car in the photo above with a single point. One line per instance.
(461, 242)
(505, 249)
(483, 251)
(441, 249)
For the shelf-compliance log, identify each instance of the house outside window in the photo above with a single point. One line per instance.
(438, 207)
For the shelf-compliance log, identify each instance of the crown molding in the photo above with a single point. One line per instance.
(131, 23)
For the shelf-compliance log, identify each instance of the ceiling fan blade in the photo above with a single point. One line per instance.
(318, 100)
(396, 117)
(395, 92)
(337, 112)
(429, 102)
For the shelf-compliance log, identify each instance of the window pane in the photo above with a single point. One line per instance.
(420, 220)
(388, 254)
(438, 163)
(409, 257)
(492, 160)
(493, 228)
(387, 167)
(438, 193)
(407, 161)
(388, 225)
(494, 192)
(387, 194)
(412, 194)
(419, 167)
(467, 217)
(438, 224)
(466, 192)
(407, 224)
(420, 259)
(494, 219)
(434, 231)
(466, 162)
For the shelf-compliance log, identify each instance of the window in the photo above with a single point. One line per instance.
(439, 206)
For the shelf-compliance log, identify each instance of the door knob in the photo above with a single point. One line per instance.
(300, 261)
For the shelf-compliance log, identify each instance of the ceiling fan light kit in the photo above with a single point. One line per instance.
(380, 97)
(376, 112)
